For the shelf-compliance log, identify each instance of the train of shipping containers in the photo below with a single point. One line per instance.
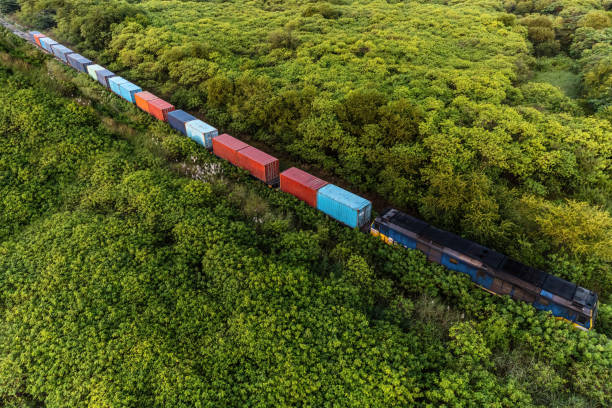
(46, 43)
(114, 84)
(201, 132)
(301, 185)
(227, 147)
(178, 118)
(160, 109)
(344, 206)
(79, 62)
(260, 164)
(61, 52)
(142, 100)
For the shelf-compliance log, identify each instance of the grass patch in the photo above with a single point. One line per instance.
(567, 81)
(560, 71)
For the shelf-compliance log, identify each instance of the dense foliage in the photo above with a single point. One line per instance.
(138, 270)
(8, 6)
(488, 118)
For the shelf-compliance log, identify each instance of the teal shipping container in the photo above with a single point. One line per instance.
(115, 83)
(201, 132)
(344, 206)
(92, 69)
(128, 90)
(46, 43)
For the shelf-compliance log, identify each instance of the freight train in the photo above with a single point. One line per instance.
(491, 270)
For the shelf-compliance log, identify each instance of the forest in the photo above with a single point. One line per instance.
(487, 118)
(138, 270)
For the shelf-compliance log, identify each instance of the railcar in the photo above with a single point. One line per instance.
(201, 133)
(343, 206)
(489, 269)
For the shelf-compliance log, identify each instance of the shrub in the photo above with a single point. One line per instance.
(9, 6)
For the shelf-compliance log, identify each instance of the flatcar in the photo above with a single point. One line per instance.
(491, 270)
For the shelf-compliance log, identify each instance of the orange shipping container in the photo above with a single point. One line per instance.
(227, 147)
(142, 100)
(260, 164)
(301, 185)
(160, 108)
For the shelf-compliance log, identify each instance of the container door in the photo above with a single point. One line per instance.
(267, 169)
(361, 220)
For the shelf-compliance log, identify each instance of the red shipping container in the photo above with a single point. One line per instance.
(259, 164)
(302, 185)
(160, 108)
(37, 38)
(227, 147)
(143, 98)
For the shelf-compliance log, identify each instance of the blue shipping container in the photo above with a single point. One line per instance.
(92, 70)
(79, 62)
(61, 52)
(344, 206)
(103, 76)
(128, 90)
(46, 43)
(201, 132)
(115, 83)
(178, 118)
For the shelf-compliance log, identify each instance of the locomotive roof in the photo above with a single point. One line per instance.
(447, 239)
(526, 273)
(559, 287)
(407, 222)
(485, 255)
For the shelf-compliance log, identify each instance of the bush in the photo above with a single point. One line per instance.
(283, 39)
(176, 147)
(324, 9)
(542, 34)
(9, 6)
(595, 19)
(44, 20)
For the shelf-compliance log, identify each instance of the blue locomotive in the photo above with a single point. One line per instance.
(492, 271)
